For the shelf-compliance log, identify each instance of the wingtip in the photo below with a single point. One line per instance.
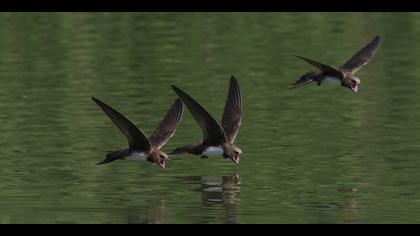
(175, 88)
(233, 80)
(297, 56)
(97, 101)
(378, 38)
(179, 92)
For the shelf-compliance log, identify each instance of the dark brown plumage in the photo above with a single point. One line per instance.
(137, 140)
(232, 114)
(345, 74)
(212, 132)
(362, 57)
(167, 126)
(139, 144)
(215, 136)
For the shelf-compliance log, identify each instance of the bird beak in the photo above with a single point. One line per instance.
(162, 163)
(235, 159)
(354, 88)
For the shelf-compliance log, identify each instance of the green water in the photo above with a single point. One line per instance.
(304, 149)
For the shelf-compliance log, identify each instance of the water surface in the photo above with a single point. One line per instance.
(311, 155)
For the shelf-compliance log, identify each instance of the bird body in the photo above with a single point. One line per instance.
(141, 147)
(345, 75)
(218, 138)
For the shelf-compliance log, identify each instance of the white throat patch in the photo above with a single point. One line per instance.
(213, 151)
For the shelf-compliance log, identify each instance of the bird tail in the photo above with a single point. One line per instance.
(114, 155)
(184, 149)
(305, 80)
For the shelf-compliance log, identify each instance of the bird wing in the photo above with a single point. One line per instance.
(326, 69)
(362, 57)
(168, 125)
(232, 114)
(137, 140)
(212, 131)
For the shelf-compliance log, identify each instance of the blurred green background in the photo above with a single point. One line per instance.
(311, 155)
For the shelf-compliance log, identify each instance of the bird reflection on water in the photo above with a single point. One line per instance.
(216, 191)
(153, 213)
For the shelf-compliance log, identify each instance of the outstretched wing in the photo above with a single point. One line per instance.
(213, 133)
(326, 69)
(232, 115)
(362, 57)
(168, 125)
(137, 140)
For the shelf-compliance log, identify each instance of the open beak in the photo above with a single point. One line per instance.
(235, 159)
(354, 88)
(162, 163)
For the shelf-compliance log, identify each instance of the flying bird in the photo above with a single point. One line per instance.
(141, 147)
(218, 139)
(345, 75)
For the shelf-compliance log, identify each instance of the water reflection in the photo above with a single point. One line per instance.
(345, 210)
(301, 144)
(152, 213)
(216, 191)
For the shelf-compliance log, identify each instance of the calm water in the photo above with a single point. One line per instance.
(304, 150)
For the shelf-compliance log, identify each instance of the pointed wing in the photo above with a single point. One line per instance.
(168, 125)
(213, 133)
(231, 119)
(326, 69)
(137, 140)
(362, 57)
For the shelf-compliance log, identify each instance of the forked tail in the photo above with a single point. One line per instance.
(115, 155)
(185, 149)
(305, 80)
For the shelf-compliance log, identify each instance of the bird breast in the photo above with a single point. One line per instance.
(137, 156)
(332, 80)
(213, 151)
